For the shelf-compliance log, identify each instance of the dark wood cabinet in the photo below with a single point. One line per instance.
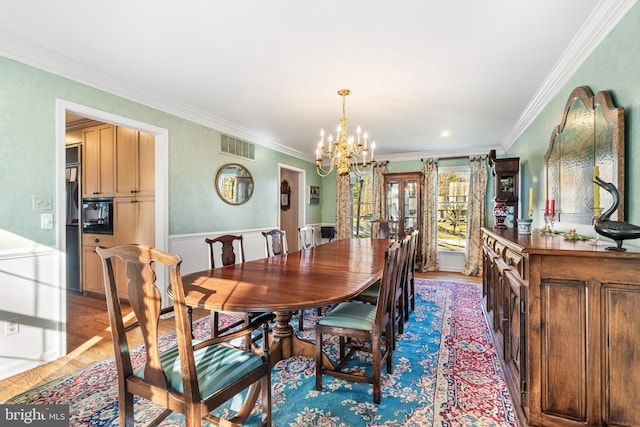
(505, 172)
(403, 202)
(564, 316)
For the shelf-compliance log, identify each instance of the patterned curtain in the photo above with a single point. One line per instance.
(343, 207)
(476, 213)
(379, 209)
(429, 227)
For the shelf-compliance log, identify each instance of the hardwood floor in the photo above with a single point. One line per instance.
(89, 339)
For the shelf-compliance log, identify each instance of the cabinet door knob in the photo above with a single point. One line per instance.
(97, 240)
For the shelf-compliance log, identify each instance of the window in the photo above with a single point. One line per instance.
(453, 191)
(361, 204)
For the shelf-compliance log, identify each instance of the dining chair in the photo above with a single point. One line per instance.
(307, 237)
(190, 377)
(409, 289)
(224, 246)
(385, 229)
(371, 294)
(365, 322)
(275, 242)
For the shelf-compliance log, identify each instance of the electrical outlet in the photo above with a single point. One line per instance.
(11, 326)
(46, 221)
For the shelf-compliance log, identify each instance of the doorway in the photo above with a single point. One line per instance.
(63, 108)
(293, 217)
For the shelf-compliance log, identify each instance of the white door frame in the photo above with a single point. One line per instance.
(161, 190)
(302, 185)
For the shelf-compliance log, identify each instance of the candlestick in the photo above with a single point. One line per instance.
(530, 201)
(596, 192)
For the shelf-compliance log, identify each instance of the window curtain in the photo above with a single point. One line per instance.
(343, 207)
(429, 227)
(379, 209)
(476, 214)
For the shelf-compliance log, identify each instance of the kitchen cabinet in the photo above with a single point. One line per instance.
(98, 161)
(134, 163)
(92, 276)
(403, 202)
(135, 223)
(564, 317)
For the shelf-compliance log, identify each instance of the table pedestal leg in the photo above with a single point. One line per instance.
(287, 344)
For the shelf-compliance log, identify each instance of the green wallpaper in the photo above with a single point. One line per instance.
(613, 66)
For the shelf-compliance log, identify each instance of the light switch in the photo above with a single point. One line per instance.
(46, 221)
(41, 202)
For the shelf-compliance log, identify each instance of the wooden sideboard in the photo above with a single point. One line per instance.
(566, 321)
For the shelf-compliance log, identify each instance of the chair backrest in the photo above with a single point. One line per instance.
(145, 300)
(227, 251)
(275, 242)
(384, 229)
(402, 270)
(411, 257)
(307, 236)
(385, 305)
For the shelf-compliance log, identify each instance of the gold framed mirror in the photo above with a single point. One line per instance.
(588, 141)
(234, 184)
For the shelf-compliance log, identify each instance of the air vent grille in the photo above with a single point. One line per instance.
(237, 147)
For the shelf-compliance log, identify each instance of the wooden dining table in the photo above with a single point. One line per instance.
(316, 277)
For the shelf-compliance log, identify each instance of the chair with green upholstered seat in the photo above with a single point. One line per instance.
(370, 295)
(366, 323)
(190, 377)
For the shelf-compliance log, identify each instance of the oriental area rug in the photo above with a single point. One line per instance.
(446, 373)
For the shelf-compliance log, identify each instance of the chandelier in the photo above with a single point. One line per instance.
(346, 153)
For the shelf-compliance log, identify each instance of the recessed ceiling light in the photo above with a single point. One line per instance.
(445, 134)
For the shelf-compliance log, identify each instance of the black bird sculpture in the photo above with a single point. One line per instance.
(616, 230)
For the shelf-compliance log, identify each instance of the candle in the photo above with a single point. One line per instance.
(596, 192)
(530, 201)
(546, 207)
(553, 207)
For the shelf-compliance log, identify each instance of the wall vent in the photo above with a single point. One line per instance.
(237, 147)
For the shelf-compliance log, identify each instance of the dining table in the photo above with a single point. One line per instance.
(319, 276)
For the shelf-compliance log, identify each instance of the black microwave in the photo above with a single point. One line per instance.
(97, 216)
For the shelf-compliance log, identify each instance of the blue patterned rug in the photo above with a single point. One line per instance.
(446, 373)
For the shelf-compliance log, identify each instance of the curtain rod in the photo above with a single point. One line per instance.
(452, 157)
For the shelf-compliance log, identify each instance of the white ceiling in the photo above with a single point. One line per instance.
(269, 71)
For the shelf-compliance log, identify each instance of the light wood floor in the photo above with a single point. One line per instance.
(89, 339)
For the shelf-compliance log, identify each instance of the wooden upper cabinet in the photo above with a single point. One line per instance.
(135, 163)
(98, 166)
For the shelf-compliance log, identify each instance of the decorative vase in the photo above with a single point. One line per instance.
(524, 225)
(500, 212)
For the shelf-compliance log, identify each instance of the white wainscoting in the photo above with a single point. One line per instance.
(30, 289)
(195, 253)
(451, 261)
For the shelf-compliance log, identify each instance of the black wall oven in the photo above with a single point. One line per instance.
(97, 216)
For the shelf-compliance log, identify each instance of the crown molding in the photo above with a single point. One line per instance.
(603, 19)
(605, 16)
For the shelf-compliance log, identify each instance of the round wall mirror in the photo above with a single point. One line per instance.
(234, 184)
